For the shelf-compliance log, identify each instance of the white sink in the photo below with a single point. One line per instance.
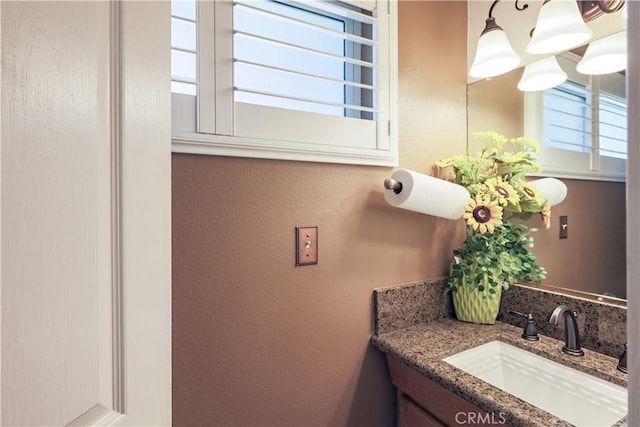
(578, 398)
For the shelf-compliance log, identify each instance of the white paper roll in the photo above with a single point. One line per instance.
(552, 189)
(428, 195)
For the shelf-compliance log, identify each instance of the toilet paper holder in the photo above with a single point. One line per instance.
(441, 198)
(392, 184)
(552, 189)
(425, 194)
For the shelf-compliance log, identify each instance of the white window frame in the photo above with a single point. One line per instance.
(229, 128)
(572, 164)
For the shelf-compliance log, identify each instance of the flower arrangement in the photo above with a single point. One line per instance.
(496, 252)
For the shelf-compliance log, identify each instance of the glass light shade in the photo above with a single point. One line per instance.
(541, 74)
(560, 27)
(552, 189)
(494, 55)
(605, 55)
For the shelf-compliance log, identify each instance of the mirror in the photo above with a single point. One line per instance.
(592, 260)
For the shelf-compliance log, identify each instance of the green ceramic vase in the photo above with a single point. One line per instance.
(474, 306)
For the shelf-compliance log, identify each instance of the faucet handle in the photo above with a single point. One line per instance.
(622, 361)
(530, 333)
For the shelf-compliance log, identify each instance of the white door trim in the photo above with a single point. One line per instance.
(144, 303)
(128, 67)
(116, 209)
(633, 211)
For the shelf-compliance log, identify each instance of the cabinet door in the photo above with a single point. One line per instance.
(412, 415)
(85, 207)
(435, 399)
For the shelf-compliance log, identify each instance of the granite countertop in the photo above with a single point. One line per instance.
(423, 347)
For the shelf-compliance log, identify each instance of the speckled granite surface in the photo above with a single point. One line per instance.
(416, 324)
(423, 347)
(411, 304)
(603, 327)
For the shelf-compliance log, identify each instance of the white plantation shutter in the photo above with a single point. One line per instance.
(613, 125)
(305, 80)
(184, 65)
(309, 60)
(581, 125)
(183, 47)
(567, 117)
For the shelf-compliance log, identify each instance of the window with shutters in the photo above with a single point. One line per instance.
(581, 125)
(300, 80)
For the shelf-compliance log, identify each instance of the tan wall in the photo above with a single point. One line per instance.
(593, 258)
(257, 341)
(496, 105)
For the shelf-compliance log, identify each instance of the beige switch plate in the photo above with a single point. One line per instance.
(306, 246)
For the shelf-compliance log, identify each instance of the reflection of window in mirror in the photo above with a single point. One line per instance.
(581, 125)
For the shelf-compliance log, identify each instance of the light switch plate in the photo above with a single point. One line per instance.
(564, 227)
(306, 246)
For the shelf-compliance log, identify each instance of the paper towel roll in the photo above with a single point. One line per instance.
(428, 195)
(552, 189)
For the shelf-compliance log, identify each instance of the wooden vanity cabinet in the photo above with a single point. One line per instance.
(424, 403)
(412, 414)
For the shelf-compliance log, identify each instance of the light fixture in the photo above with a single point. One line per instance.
(542, 74)
(560, 27)
(605, 55)
(591, 9)
(494, 54)
(552, 189)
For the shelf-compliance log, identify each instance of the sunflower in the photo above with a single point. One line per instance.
(483, 214)
(504, 192)
(528, 192)
(530, 198)
(545, 213)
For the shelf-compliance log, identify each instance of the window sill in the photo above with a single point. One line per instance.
(582, 175)
(217, 145)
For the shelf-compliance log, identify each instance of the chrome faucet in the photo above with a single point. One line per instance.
(571, 334)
